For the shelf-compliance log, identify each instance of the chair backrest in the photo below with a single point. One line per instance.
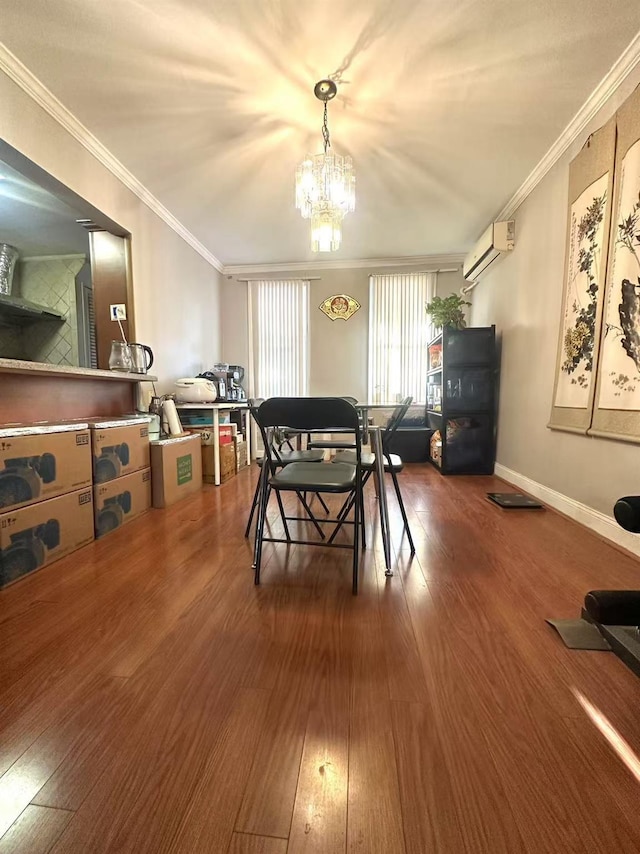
(254, 404)
(394, 422)
(307, 414)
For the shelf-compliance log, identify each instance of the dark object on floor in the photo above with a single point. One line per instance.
(616, 613)
(625, 642)
(579, 634)
(627, 513)
(514, 501)
(613, 607)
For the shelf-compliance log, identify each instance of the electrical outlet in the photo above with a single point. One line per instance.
(118, 312)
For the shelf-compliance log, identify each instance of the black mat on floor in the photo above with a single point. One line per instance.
(514, 501)
(579, 634)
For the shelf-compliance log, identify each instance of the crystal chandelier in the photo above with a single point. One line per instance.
(325, 185)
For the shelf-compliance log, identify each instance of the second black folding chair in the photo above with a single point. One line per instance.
(280, 460)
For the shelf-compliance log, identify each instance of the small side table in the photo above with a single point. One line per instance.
(215, 409)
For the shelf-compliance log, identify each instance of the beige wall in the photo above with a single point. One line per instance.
(338, 349)
(176, 291)
(522, 296)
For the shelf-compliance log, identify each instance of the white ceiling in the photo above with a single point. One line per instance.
(445, 107)
(35, 221)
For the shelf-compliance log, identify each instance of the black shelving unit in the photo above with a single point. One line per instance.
(461, 400)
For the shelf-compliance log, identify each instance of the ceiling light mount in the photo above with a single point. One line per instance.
(325, 184)
(325, 90)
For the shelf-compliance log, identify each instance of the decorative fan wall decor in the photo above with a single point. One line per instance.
(339, 306)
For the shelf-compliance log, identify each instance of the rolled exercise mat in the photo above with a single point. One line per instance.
(613, 607)
(172, 418)
(627, 513)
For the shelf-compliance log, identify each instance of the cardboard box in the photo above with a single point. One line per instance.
(241, 452)
(43, 461)
(120, 446)
(207, 436)
(39, 534)
(205, 433)
(228, 463)
(226, 434)
(176, 468)
(118, 501)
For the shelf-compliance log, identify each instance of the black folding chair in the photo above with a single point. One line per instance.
(393, 465)
(309, 415)
(334, 444)
(281, 459)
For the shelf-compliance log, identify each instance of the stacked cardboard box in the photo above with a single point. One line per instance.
(121, 471)
(46, 508)
(232, 448)
(241, 452)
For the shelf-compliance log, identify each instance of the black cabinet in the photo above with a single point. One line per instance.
(461, 400)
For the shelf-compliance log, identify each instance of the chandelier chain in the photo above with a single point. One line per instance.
(325, 130)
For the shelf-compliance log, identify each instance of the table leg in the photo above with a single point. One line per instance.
(216, 447)
(247, 433)
(364, 414)
(382, 501)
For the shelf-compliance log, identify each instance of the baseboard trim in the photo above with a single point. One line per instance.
(599, 523)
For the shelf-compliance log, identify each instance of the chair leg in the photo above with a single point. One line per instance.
(357, 514)
(394, 478)
(362, 522)
(303, 500)
(282, 516)
(262, 513)
(322, 501)
(256, 496)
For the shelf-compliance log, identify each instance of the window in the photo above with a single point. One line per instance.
(399, 330)
(279, 337)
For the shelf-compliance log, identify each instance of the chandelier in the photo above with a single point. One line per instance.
(325, 185)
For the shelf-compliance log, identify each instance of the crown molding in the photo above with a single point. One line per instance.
(29, 83)
(616, 75)
(433, 261)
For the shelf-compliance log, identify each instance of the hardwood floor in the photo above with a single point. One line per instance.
(153, 700)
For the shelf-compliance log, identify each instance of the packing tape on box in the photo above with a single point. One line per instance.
(171, 418)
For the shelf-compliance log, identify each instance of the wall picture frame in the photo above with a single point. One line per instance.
(339, 307)
(617, 404)
(591, 181)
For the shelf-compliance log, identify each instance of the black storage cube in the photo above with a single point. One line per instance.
(411, 444)
(472, 346)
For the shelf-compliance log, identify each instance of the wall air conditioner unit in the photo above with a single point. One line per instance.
(496, 240)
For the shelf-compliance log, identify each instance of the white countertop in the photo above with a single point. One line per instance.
(227, 404)
(17, 366)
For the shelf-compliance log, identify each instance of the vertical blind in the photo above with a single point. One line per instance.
(279, 337)
(399, 330)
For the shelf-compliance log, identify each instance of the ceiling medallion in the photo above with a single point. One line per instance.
(339, 307)
(325, 185)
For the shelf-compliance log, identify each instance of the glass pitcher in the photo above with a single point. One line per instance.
(120, 358)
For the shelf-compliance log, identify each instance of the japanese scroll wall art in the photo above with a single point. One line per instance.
(597, 386)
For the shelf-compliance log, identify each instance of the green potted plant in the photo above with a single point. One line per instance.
(447, 311)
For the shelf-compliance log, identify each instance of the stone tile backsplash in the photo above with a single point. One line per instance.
(49, 282)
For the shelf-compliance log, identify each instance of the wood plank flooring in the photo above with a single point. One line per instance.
(153, 701)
